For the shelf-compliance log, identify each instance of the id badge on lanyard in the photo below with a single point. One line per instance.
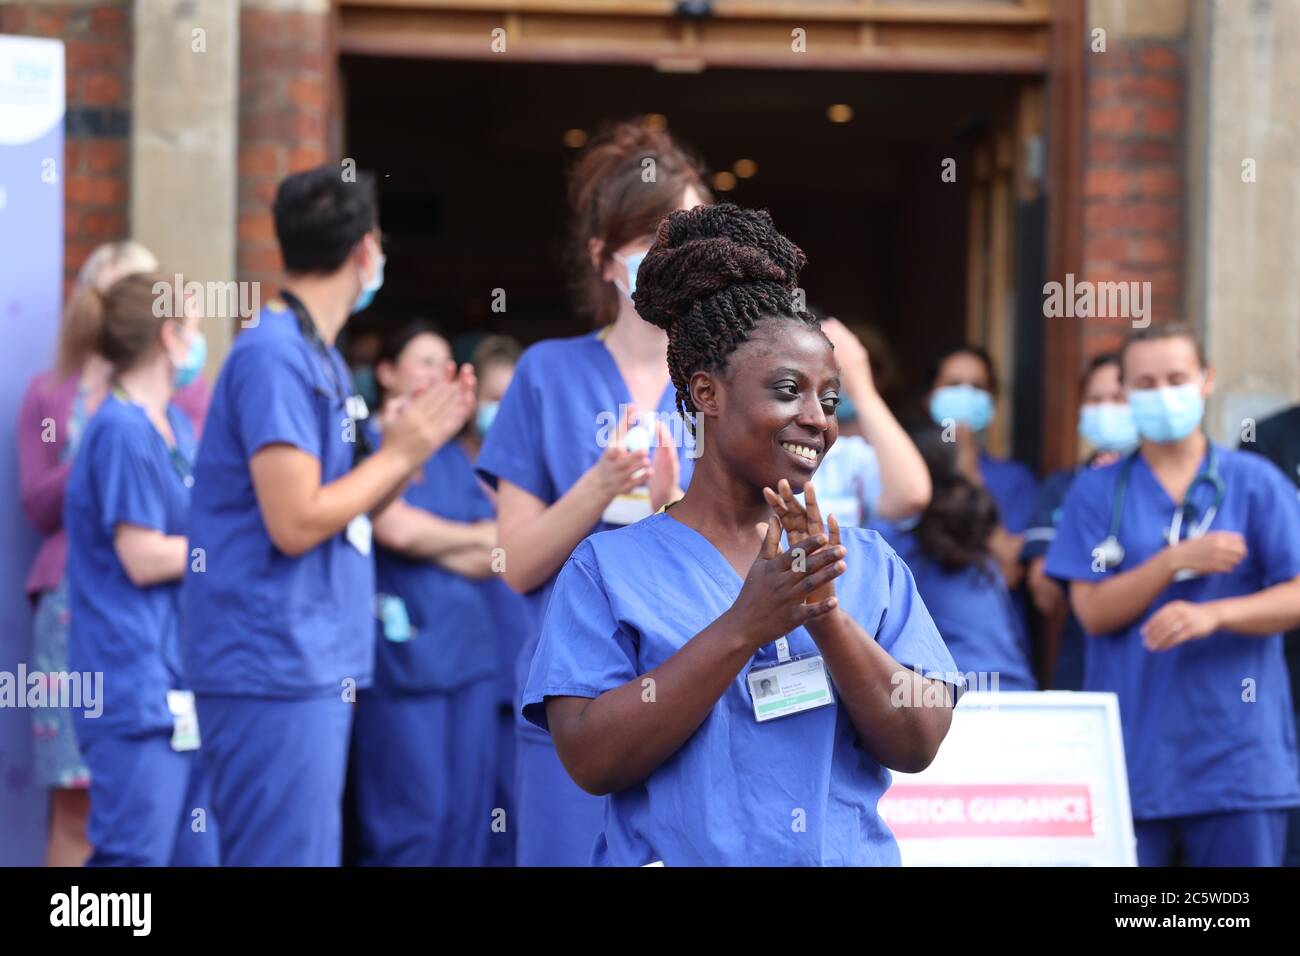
(790, 686)
(185, 720)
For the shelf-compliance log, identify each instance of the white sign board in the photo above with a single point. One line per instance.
(1022, 779)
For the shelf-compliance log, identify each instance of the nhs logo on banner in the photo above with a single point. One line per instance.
(31, 280)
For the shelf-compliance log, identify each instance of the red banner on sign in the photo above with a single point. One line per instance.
(987, 810)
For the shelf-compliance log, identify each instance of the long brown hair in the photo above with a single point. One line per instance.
(614, 198)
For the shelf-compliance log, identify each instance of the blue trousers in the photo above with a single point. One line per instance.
(501, 848)
(276, 768)
(1234, 838)
(424, 775)
(149, 804)
(1292, 857)
(558, 820)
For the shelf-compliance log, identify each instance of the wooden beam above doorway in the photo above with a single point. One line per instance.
(983, 36)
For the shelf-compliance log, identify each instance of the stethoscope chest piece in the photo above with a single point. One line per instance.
(1111, 553)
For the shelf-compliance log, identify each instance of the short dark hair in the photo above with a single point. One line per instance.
(320, 217)
(1158, 332)
(395, 344)
(495, 350)
(964, 348)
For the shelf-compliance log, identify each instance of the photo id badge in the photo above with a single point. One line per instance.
(359, 533)
(185, 720)
(788, 688)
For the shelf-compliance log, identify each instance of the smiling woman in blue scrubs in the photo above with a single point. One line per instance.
(425, 736)
(948, 553)
(126, 510)
(279, 624)
(740, 703)
(1184, 566)
(560, 454)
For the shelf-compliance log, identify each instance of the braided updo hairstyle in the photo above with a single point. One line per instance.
(714, 273)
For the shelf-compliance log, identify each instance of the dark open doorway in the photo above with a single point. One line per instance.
(471, 159)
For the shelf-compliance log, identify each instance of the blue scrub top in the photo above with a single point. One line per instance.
(1014, 489)
(258, 622)
(1195, 740)
(452, 641)
(975, 616)
(628, 600)
(512, 624)
(125, 473)
(546, 435)
(1047, 514)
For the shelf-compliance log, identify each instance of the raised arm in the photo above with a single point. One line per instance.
(904, 479)
(538, 538)
(300, 512)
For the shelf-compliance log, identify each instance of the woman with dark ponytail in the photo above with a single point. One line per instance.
(570, 454)
(948, 551)
(739, 699)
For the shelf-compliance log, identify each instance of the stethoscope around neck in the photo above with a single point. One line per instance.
(1111, 552)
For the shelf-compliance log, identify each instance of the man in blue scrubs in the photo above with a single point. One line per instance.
(278, 623)
(1184, 566)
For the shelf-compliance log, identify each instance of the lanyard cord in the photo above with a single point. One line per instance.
(362, 445)
(180, 464)
(313, 337)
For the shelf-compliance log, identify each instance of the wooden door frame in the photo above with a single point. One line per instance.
(1062, 68)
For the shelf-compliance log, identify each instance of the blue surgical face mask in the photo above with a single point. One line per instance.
(964, 404)
(195, 358)
(1167, 414)
(1108, 426)
(368, 289)
(487, 414)
(633, 263)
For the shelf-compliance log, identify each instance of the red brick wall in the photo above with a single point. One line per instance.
(96, 166)
(1133, 189)
(287, 74)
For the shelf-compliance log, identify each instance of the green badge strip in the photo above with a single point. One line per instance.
(790, 702)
